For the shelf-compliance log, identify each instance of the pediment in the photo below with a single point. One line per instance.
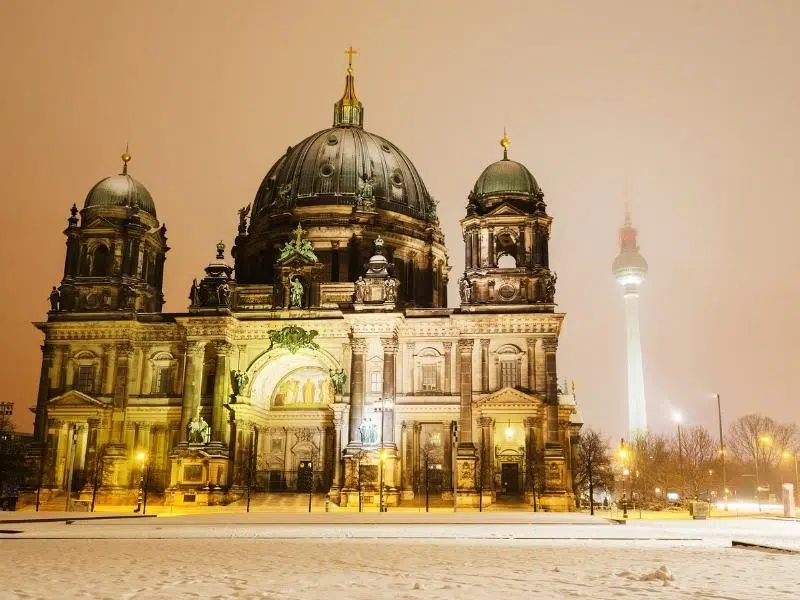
(505, 210)
(73, 399)
(508, 396)
(296, 259)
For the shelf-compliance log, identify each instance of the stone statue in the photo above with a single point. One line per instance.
(430, 211)
(240, 380)
(127, 297)
(295, 293)
(548, 280)
(243, 213)
(199, 430)
(465, 287)
(369, 432)
(339, 378)
(55, 299)
(361, 289)
(194, 294)
(224, 294)
(284, 195)
(365, 199)
(390, 289)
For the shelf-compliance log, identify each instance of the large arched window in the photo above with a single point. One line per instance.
(100, 261)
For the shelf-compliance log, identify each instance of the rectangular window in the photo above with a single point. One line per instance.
(85, 379)
(161, 385)
(429, 373)
(508, 373)
(376, 382)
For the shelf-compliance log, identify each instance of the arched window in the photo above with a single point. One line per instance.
(100, 261)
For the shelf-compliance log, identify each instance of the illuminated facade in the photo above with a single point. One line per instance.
(630, 270)
(327, 341)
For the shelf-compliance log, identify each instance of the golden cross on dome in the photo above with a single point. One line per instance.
(350, 53)
(298, 234)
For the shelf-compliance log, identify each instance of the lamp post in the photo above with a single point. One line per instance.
(623, 455)
(382, 405)
(678, 420)
(141, 500)
(722, 453)
(762, 440)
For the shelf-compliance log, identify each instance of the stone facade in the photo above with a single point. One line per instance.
(314, 371)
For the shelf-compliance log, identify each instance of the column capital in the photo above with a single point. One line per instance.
(465, 345)
(48, 351)
(485, 421)
(531, 422)
(550, 344)
(195, 347)
(125, 350)
(531, 341)
(447, 346)
(485, 343)
(223, 347)
(359, 345)
(389, 345)
(411, 346)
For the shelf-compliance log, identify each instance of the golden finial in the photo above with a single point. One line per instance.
(350, 53)
(506, 144)
(126, 157)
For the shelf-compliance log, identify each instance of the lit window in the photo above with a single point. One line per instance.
(508, 373)
(376, 382)
(429, 378)
(86, 379)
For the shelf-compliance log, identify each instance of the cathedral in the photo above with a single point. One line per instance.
(319, 354)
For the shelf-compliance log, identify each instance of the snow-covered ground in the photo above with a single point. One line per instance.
(397, 556)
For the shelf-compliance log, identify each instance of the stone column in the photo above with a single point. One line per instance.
(40, 428)
(487, 454)
(447, 453)
(110, 368)
(405, 464)
(359, 347)
(521, 247)
(485, 366)
(531, 363)
(448, 359)
(490, 261)
(468, 246)
(147, 372)
(530, 452)
(387, 417)
(476, 248)
(415, 454)
(541, 380)
(124, 354)
(411, 367)
(337, 447)
(192, 384)
(465, 416)
(549, 346)
(222, 382)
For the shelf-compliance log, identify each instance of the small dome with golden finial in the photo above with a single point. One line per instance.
(505, 176)
(121, 190)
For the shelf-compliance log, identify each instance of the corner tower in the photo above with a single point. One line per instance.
(506, 233)
(630, 270)
(115, 251)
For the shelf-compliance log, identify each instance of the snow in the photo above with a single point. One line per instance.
(371, 556)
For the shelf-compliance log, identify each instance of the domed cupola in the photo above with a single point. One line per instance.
(115, 251)
(506, 180)
(347, 186)
(506, 233)
(121, 191)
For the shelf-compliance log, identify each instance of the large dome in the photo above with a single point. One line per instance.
(505, 177)
(333, 165)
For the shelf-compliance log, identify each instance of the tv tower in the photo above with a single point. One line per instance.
(630, 269)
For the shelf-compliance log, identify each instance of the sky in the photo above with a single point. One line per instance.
(687, 110)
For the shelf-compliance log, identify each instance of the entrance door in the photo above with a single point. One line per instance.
(509, 478)
(305, 476)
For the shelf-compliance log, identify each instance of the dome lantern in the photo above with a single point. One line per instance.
(349, 110)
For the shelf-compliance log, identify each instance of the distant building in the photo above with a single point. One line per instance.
(328, 340)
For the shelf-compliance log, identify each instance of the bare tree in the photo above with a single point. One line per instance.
(653, 466)
(755, 438)
(699, 454)
(594, 464)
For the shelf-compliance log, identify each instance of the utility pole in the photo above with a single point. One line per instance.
(722, 453)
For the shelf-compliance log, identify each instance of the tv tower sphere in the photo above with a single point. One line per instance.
(630, 270)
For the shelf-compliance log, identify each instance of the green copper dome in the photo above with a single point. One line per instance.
(120, 190)
(505, 177)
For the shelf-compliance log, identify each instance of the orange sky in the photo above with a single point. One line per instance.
(689, 110)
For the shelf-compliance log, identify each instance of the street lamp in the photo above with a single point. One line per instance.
(141, 501)
(623, 455)
(722, 452)
(678, 420)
